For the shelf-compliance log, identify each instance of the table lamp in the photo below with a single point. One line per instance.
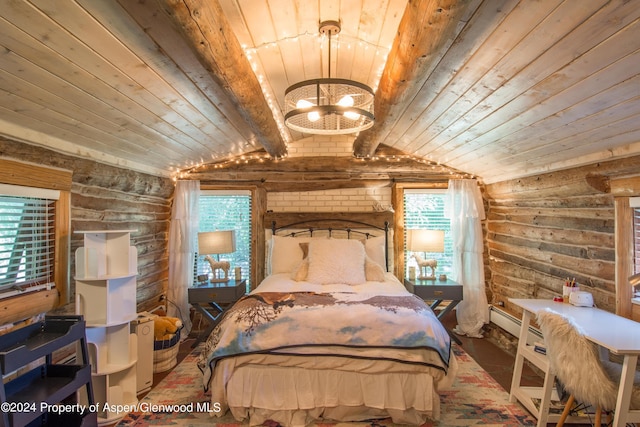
(216, 243)
(425, 241)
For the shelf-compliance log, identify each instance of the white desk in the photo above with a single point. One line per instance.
(612, 332)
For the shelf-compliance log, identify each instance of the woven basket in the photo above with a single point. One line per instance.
(165, 359)
(165, 353)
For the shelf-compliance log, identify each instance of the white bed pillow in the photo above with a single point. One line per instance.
(375, 248)
(286, 254)
(336, 261)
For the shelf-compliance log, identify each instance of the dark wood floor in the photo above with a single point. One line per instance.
(493, 359)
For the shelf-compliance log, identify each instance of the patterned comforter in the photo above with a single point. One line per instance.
(395, 327)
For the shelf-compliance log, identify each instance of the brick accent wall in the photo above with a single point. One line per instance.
(322, 145)
(347, 200)
(352, 200)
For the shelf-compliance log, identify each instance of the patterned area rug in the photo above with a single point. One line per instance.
(475, 399)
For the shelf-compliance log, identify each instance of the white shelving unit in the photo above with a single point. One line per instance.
(106, 270)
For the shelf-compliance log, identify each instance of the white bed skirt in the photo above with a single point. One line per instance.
(297, 397)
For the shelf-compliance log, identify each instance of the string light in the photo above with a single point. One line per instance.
(262, 157)
(252, 54)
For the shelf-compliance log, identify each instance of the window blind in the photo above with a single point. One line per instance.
(27, 241)
(424, 209)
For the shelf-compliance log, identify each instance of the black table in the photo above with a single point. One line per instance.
(212, 299)
(438, 291)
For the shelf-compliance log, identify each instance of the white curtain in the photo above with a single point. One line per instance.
(465, 210)
(182, 247)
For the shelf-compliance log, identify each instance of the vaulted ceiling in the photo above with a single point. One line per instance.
(496, 88)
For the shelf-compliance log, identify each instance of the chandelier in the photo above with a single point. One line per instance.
(326, 105)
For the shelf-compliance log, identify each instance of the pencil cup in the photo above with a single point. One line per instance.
(566, 292)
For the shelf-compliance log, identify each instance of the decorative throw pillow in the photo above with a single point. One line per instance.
(373, 271)
(336, 261)
(304, 246)
(375, 249)
(300, 273)
(286, 254)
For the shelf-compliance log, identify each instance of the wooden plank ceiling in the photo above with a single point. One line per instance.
(496, 88)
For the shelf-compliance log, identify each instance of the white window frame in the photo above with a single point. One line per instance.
(200, 266)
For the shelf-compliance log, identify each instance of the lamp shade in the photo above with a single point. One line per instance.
(425, 240)
(216, 242)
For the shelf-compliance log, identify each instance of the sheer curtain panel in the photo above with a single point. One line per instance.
(465, 211)
(182, 248)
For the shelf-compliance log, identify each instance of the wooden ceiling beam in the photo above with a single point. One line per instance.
(594, 178)
(321, 173)
(207, 31)
(325, 165)
(325, 185)
(426, 28)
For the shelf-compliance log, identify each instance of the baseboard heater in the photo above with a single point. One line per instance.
(508, 322)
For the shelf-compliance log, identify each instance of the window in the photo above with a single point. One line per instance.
(634, 204)
(227, 210)
(27, 239)
(424, 209)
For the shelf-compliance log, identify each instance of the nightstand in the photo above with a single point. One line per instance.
(438, 291)
(212, 299)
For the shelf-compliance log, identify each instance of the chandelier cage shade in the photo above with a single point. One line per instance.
(329, 106)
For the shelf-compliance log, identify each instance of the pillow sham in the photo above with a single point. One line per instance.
(372, 271)
(336, 261)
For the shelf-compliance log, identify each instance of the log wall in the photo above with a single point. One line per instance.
(106, 197)
(544, 229)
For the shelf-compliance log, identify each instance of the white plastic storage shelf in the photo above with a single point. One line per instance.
(106, 270)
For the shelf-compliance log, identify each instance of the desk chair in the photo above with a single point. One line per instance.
(576, 363)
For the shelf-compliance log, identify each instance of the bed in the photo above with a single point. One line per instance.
(329, 334)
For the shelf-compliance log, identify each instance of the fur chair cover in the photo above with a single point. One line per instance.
(576, 363)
